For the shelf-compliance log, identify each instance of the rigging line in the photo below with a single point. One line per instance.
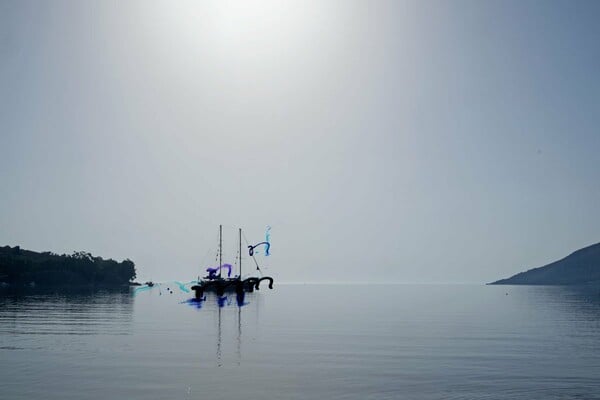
(210, 249)
(247, 244)
(203, 261)
(219, 246)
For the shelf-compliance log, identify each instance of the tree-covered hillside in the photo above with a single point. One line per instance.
(18, 266)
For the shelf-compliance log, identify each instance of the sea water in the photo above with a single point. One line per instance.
(303, 342)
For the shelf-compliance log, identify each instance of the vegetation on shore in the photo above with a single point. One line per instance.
(19, 267)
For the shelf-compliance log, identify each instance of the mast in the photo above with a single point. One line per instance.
(220, 248)
(240, 260)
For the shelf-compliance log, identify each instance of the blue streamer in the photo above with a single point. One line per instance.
(268, 240)
(182, 287)
(251, 248)
(141, 289)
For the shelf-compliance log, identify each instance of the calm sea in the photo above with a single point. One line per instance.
(304, 342)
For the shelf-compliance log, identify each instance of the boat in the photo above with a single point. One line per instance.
(215, 282)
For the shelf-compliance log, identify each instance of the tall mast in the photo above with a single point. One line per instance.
(220, 248)
(240, 260)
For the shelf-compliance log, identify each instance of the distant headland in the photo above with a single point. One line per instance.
(26, 267)
(579, 268)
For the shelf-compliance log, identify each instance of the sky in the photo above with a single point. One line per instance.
(383, 141)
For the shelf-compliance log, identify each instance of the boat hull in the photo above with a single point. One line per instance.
(222, 286)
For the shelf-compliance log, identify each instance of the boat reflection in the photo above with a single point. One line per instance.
(228, 336)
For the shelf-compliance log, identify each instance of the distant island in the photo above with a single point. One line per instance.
(26, 267)
(578, 268)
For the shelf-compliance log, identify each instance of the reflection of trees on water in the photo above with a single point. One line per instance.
(78, 311)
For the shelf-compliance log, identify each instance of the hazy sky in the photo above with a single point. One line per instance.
(422, 141)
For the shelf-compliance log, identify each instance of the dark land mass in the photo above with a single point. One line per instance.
(26, 267)
(578, 268)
